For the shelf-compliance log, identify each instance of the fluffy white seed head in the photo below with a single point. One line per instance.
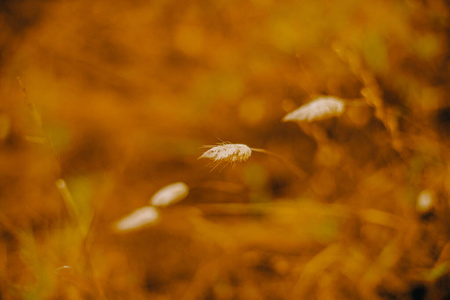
(425, 201)
(318, 109)
(139, 218)
(228, 153)
(170, 194)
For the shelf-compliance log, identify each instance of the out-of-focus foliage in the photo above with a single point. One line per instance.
(105, 102)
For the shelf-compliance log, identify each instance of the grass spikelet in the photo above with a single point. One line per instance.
(170, 194)
(227, 153)
(137, 219)
(318, 109)
(425, 201)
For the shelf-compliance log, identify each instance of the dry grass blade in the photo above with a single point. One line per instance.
(318, 109)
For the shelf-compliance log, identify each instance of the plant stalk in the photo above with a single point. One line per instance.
(293, 168)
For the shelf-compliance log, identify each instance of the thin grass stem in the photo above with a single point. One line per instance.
(293, 168)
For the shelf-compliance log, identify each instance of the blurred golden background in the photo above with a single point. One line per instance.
(103, 103)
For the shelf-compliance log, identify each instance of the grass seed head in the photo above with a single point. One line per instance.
(228, 153)
(170, 194)
(425, 201)
(318, 109)
(137, 219)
